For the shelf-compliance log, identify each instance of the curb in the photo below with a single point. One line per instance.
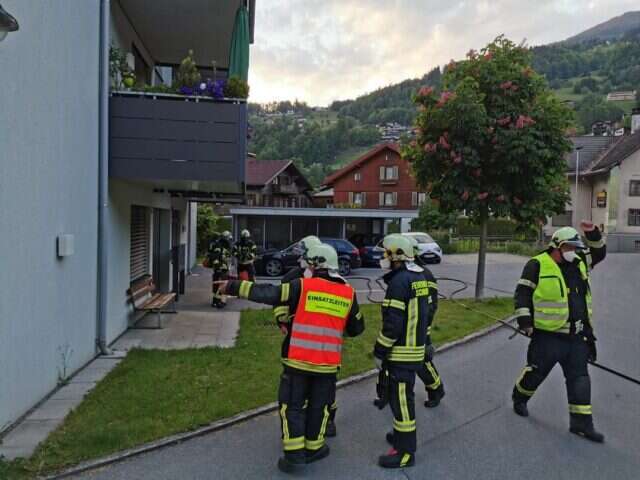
(236, 419)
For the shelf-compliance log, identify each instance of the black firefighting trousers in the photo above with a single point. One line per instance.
(305, 402)
(572, 352)
(402, 403)
(428, 372)
(217, 276)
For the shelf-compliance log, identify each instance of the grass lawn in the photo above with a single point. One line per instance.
(154, 393)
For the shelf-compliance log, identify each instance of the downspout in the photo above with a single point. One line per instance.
(103, 179)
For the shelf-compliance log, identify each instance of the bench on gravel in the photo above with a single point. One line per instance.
(144, 298)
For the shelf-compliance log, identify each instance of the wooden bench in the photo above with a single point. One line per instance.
(144, 298)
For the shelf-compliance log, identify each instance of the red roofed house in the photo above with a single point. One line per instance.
(380, 178)
(276, 183)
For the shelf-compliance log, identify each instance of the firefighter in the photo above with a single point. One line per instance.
(553, 301)
(219, 258)
(428, 373)
(245, 252)
(325, 307)
(400, 346)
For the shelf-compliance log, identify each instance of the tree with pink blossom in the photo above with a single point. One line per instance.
(492, 142)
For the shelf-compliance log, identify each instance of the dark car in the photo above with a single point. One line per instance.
(275, 262)
(366, 245)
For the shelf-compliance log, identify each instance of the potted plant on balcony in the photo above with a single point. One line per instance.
(119, 69)
(236, 88)
(188, 77)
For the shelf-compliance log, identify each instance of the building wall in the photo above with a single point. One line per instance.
(370, 182)
(48, 186)
(599, 215)
(629, 170)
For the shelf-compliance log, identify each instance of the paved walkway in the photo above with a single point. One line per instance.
(195, 325)
(473, 435)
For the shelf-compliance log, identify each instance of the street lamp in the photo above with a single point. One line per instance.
(7, 24)
(575, 208)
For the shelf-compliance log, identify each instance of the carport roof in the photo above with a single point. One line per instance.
(323, 212)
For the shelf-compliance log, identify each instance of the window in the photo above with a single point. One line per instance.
(140, 243)
(357, 198)
(418, 198)
(634, 217)
(637, 245)
(357, 177)
(563, 220)
(634, 188)
(388, 174)
(388, 199)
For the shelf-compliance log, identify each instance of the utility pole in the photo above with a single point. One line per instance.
(575, 208)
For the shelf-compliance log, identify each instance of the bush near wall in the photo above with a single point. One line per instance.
(208, 223)
(498, 227)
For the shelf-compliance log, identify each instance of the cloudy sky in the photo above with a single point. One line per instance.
(323, 50)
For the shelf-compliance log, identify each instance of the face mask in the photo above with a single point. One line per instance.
(569, 256)
(308, 273)
(385, 263)
(303, 263)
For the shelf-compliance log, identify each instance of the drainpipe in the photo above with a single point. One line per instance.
(103, 179)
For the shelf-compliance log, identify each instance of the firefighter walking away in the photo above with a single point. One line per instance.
(553, 304)
(218, 258)
(399, 351)
(325, 308)
(245, 252)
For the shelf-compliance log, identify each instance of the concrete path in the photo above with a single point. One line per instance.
(25, 437)
(474, 434)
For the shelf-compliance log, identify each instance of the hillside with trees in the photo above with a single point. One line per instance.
(582, 70)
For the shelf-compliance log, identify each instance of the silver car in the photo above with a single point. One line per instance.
(430, 251)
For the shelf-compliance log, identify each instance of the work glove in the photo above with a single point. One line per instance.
(382, 389)
(525, 324)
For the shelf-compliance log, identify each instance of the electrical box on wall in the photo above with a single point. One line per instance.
(65, 244)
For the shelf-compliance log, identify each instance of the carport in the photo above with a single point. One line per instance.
(279, 227)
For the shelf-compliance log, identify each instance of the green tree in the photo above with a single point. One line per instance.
(430, 218)
(493, 143)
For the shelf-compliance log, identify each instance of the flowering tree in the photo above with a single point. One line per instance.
(492, 142)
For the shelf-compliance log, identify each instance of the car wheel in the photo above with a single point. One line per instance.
(344, 267)
(274, 268)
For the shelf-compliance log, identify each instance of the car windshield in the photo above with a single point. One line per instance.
(423, 238)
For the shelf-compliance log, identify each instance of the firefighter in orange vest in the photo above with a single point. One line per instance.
(325, 308)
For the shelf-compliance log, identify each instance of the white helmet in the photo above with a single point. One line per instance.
(245, 234)
(322, 256)
(226, 234)
(309, 241)
(398, 248)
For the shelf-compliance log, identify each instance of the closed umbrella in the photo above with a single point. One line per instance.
(239, 53)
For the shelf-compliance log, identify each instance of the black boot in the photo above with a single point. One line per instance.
(434, 397)
(520, 403)
(331, 429)
(214, 302)
(292, 462)
(583, 425)
(221, 304)
(395, 459)
(315, 455)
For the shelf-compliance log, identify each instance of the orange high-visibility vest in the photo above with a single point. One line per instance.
(320, 320)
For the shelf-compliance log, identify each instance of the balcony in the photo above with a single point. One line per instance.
(291, 189)
(184, 144)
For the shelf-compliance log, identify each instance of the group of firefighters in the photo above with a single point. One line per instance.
(315, 308)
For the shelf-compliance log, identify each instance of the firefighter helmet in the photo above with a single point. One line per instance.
(322, 256)
(567, 236)
(397, 248)
(245, 234)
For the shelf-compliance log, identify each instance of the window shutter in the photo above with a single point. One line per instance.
(395, 198)
(414, 199)
(350, 197)
(364, 199)
(395, 173)
(140, 243)
(381, 173)
(381, 199)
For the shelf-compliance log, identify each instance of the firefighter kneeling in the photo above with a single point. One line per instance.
(325, 307)
(400, 348)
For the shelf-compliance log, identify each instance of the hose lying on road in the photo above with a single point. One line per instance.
(503, 321)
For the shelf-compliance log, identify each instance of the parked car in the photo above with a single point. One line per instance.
(430, 251)
(366, 245)
(275, 263)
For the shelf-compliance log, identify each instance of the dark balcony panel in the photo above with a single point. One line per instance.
(176, 144)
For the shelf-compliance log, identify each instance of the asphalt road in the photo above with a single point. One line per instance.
(473, 434)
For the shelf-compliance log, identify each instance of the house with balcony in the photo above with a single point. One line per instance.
(98, 179)
(604, 178)
(276, 183)
(380, 178)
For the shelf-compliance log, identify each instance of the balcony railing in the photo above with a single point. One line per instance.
(291, 189)
(189, 144)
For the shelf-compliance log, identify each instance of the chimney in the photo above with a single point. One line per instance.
(635, 120)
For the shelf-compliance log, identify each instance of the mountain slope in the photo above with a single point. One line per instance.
(614, 29)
